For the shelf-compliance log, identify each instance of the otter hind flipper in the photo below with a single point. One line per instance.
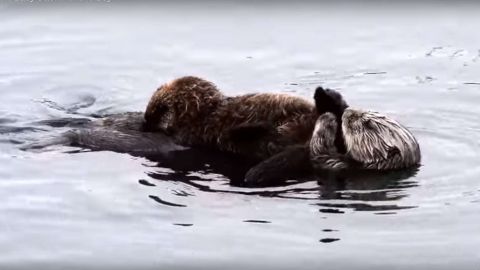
(251, 131)
(291, 162)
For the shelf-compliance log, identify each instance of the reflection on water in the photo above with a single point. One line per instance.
(361, 191)
(158, 200)
(257, 221)
(328, 240)
(67, 66)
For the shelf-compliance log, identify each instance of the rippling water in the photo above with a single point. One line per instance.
(70, 208)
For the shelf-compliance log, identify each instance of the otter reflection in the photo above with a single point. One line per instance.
(364, 189)
(359, 191)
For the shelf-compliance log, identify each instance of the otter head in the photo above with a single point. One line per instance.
(181, 103)
(378, 142)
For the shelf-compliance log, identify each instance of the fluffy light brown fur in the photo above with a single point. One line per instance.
(372, 140)
(378, 141)
(195, 112)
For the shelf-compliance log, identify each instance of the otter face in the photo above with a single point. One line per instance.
(377, 141)
(178, 104)
(159, 115)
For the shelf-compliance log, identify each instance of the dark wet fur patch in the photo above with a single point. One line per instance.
(327, 100)
(251, 131)
(294, 161)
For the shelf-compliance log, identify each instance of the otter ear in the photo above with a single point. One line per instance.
(250, 131)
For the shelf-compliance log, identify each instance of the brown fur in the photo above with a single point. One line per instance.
(373, 141)
(195, 112)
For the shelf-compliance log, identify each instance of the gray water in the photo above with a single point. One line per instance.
(67, 208)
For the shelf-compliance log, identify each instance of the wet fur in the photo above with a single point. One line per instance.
(323, 152)
(195, 112)
(378, 142)
(327, 100)
(122, 132)
(281, 130)
(292, 162)
(344, 140)
(372, 141)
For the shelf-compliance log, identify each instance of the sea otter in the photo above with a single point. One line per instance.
(257, 126)
(343, 139)
(373, 141)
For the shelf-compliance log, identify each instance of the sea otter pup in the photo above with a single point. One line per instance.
(257, 126)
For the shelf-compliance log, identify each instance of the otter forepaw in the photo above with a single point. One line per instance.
(329, 162)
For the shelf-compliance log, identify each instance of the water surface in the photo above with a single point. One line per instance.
(69, 208)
